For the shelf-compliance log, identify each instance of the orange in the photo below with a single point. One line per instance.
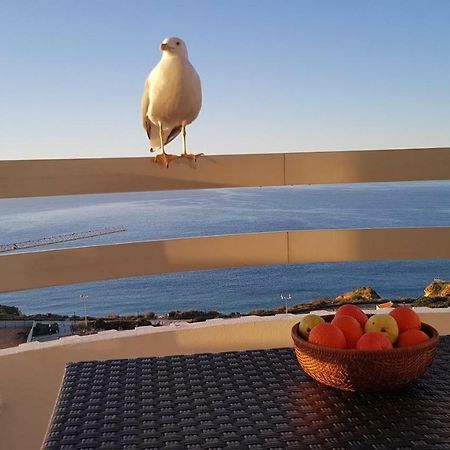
(411, 337)
(373, 341)
(350, 327)
(406, 318)
(352, 311)
(327, 335)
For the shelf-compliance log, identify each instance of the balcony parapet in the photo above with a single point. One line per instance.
(31, 373)
(105, 262)
(36, 178)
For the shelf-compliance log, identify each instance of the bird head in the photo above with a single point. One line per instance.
(174, 46)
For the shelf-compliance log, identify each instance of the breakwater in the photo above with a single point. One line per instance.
(59, 238)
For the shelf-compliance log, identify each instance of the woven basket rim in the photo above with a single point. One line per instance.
(426, 328)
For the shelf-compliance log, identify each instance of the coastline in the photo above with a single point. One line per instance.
(45, 327)
(436, 294)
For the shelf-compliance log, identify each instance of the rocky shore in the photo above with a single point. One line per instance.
(436, 295)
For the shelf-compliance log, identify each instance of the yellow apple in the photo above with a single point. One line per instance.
(384, 324)
(308, 323)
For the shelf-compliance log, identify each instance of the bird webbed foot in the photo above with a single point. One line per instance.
(192, 156)
(164, 159)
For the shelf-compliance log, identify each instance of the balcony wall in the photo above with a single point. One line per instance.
(30, 375)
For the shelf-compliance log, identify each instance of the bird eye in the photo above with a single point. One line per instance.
(178, 43)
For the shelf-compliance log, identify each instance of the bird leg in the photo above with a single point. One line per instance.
(164, 158)
(185, 154)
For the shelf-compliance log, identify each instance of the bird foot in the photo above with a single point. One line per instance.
(192, 156)
(164, 159)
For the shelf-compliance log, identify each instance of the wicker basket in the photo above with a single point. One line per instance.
(365, 370)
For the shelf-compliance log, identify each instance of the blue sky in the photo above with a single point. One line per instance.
(277, 76)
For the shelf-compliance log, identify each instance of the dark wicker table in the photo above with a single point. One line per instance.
(242, 400)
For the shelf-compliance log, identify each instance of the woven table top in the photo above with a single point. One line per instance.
(242, 400)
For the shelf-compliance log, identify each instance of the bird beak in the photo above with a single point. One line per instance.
(164, 46)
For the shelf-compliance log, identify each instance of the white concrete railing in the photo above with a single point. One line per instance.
(106, 175)
(30, 334)
(63, 177)
(31, 374)
(104, 262)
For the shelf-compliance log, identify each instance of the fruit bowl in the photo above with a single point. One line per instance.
(365, 370)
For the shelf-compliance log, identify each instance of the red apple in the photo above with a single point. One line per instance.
(352, 311)
(373, 341)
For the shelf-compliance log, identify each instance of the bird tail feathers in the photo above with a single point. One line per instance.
(153, 134)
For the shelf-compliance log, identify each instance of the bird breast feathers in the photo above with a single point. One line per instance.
(175, 93)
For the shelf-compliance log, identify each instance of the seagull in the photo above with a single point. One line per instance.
(172, 99)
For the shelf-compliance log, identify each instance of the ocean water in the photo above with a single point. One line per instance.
(159, 215)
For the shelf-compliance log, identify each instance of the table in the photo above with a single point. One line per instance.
(239, 400)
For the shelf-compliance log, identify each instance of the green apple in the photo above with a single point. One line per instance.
(384, 324)
(308, 323)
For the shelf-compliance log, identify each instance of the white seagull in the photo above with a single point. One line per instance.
(172, 99)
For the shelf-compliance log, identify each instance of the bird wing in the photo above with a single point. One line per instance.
(173, 134)
(151, 129)
(146, 123)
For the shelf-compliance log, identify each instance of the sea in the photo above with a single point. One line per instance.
(176, 214)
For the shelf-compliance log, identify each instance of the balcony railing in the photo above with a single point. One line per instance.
(63, 177)
(93, 176)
